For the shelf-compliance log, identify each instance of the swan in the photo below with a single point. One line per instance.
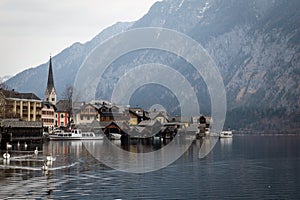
(45, 167)
(18, 144)
(50, 158)
(8, 146)
(6, 155)
(36, 151)
(25, 145)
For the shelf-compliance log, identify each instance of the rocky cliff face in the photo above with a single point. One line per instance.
(255, 44)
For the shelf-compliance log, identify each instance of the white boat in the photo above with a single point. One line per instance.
(226, 134)
(91, 136)
(115, 136)
(75, 134)
(61, 135)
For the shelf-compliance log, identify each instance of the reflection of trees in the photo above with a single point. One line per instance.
(3, 85)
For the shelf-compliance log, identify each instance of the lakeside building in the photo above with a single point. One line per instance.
(48, 118)
(18, 130)
(86, 114)
(63, 110)
(26, 106)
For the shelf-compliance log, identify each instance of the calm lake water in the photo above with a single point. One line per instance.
(244, 167)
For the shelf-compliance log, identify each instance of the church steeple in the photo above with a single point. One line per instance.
(50, 94)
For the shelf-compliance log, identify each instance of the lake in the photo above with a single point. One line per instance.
(243, 167)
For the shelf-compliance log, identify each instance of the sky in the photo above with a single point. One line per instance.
(31, 30)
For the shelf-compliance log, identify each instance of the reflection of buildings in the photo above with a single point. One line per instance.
(226, 143)
(63, 148)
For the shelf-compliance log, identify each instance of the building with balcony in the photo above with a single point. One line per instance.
(25, 106)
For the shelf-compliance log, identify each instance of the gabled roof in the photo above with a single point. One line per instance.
(149, 123)
(154, 115)
(16, 95)
(62, 106)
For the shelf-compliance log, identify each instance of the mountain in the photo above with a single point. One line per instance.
(255, 44)
(65, 65)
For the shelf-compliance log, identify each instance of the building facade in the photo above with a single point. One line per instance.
(86, 114)
(62, 118)
(48, 117)
(25, 106)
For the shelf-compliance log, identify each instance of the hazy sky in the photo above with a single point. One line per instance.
(32, 29)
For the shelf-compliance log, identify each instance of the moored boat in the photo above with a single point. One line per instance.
(91, 136)
(75, 134)
(115, 136)
(226, 134)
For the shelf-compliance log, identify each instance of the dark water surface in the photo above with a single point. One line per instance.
(244, 167)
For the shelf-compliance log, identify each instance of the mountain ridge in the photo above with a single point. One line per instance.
(255, 44)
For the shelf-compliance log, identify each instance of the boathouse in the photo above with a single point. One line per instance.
(17, 130)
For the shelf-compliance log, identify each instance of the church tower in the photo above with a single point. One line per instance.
(50, 94)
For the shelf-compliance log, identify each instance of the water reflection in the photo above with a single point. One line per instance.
(247, 164)
(226, 143)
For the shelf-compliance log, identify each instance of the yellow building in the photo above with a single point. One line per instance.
(26, 106)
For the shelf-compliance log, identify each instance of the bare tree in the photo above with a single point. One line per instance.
(3, 85)
(67, 96)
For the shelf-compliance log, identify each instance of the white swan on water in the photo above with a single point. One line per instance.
(45, 167)
(6, 155)
(25, 145)
(8, 146)
(50, 158)
(36, 151)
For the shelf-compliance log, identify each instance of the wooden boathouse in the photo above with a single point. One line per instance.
(19, 130)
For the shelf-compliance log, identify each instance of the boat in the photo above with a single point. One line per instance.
(226, 134)
(61, 135)
(91, 136)
(115, 136)
(75, 134)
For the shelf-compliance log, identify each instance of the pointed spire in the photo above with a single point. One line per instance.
(50, 94)
(50, 84)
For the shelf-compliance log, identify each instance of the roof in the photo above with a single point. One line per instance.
(153, 115)
(62, 106)
(48, 105)
(17, 123)
(149, 122)
(16, 95)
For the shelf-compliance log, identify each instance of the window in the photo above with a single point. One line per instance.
(62, 116)
(53, 99)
